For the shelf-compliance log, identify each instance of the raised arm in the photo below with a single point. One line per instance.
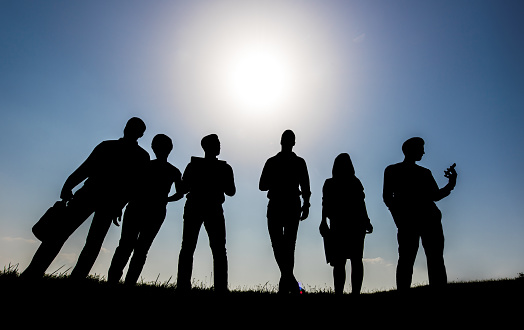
(451, 174)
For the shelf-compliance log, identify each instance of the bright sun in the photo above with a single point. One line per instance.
(259, 78)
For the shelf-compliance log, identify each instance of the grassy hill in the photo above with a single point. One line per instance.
(59, 301)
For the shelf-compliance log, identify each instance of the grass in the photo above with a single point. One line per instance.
(57, 296)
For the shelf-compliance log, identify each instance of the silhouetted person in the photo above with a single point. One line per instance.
(285, 178)
(410, 193)
(205, 180)
(146, 212)
(343, 204)
(108, 173)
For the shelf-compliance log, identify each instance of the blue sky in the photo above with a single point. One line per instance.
(360, 77)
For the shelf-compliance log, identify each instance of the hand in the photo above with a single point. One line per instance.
(323, 228)
(369, 228)
(305, 212)
(117, 221)
(66, 195)
(450, 173)
(175, 197)
(118, 217)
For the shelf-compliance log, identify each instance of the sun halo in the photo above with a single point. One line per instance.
(259, 79)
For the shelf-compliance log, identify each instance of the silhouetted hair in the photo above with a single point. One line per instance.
(209, 141)
(161, 144)
(288, 138)
(412, 144)
(135, 128)
(343, 166)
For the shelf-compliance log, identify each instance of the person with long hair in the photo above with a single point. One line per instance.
(343, 204)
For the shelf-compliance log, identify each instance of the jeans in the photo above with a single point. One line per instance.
(212, 217)
(139, 228)
(432, 237)
(283, 219)
(83, 204)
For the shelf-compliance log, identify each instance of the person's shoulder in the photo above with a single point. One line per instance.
(396, 165)
(108, 143)
(297, 157)
(357, 183)
(107, 146)
(401, 166)
(224, 165)
(424, 170)
(293, 157)
(275, 157)
(272, 160)
(300, 160)
(173, 169)
(194, 161)
(143, 153)
(327, 183)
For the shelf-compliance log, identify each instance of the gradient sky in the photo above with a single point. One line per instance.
(347, 76)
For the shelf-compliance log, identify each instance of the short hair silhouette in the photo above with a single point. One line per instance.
(135, 128)
(412, 145)
(162, 145)
(209, 142)
(288, 138)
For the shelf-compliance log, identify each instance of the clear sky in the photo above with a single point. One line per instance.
(347, 76)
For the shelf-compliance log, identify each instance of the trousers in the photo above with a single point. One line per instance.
(139, 228)
(83, 204)
(283, 219)
(212, 217)
(432, 237)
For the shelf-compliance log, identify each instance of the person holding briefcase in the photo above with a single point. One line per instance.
(107, 173)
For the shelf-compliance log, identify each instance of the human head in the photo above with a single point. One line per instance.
(134, 129)
(211, 145)
(288, 139)
(161, 145)
(343, 166)
(413, 148)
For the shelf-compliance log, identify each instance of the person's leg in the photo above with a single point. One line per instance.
(433, 243)
(190, 232)
(276, 235)
(95, 237)
(77, 211)
(408, 242)
(357, 266)
(289, 244)
(145, 240)
(339, 275)
(283, 220)
(357, 275)
(126, 244)
(216, 229)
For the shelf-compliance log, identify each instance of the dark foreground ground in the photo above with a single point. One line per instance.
(62, 303)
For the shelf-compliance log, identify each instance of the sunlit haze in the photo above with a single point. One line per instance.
(258, 78)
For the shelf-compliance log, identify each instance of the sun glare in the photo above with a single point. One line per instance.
(259, 78)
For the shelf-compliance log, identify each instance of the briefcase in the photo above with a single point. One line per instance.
(51, 223)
